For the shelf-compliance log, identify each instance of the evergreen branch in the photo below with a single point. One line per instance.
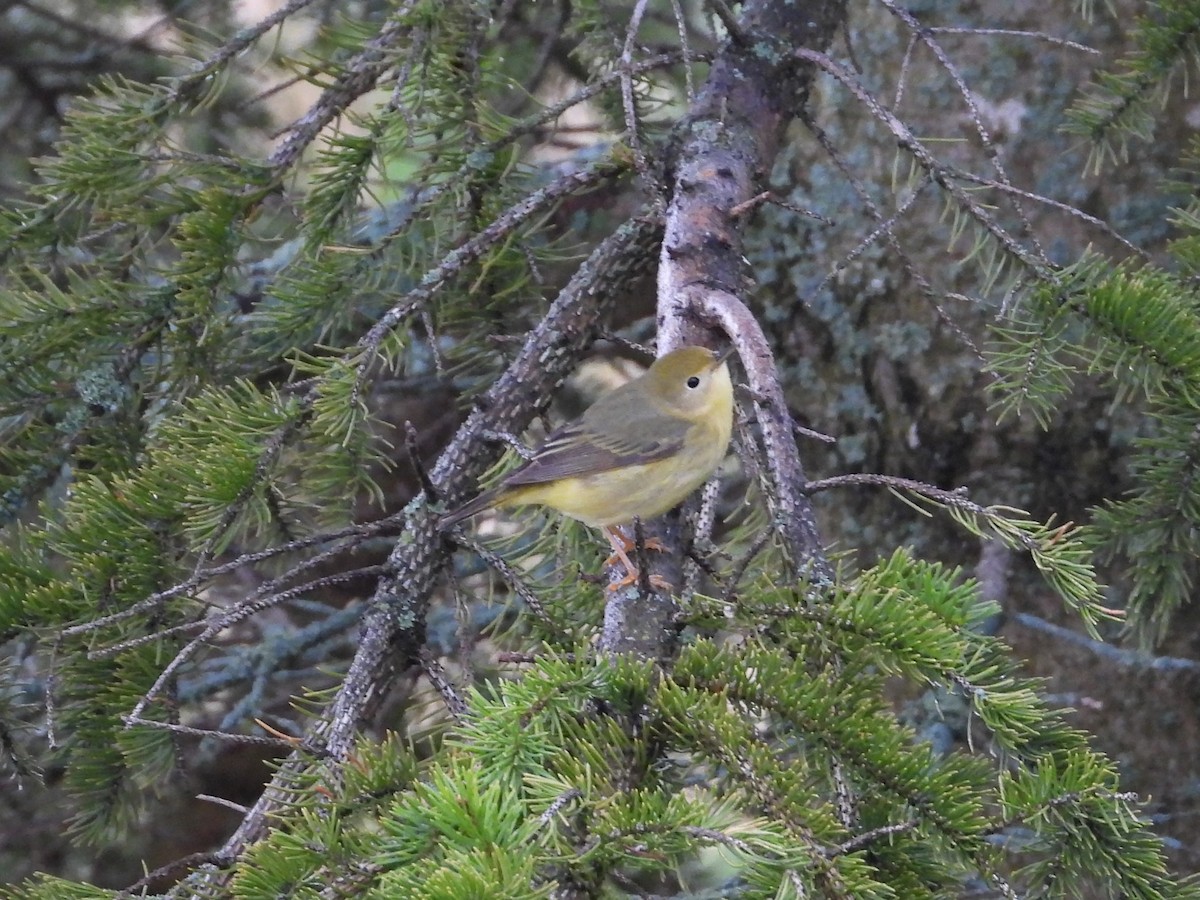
(1058, 554)
(261, 600)
(925, 36)
(198, 577)
(705, 724)
(732, 25)
(1155, 529)
(395, 614)
(940, 173)
(1073, 211)
(99, 395)
(359, 75)
(377, 228)
(1086, 829)
(367, 348)
(701, 524)
(1120, 99)
(850, 726)
(306, 648)
(200, 77)
(1030, 370)
(1143, 321)
(272, 449)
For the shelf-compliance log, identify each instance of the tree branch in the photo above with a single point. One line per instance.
(721, 154)
(394, 622)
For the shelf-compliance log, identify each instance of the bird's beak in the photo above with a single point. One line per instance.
(722, 357)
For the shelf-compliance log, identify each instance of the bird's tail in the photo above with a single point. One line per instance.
(473, 507)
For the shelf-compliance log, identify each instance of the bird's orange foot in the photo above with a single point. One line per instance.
(623, 558)
(621, 545)
(656, 581)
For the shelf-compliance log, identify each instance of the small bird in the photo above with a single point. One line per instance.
(635, 453)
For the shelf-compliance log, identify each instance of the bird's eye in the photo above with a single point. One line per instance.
(694, 381)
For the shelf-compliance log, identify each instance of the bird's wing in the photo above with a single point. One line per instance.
(581, 448)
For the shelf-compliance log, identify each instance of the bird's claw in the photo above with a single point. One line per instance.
(621, 545)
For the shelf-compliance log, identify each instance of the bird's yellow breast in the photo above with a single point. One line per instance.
(682, 390)
(646, 490)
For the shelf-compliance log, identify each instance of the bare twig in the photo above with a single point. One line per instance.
(221, 801)
(508, 575)
(557, 806)
(935, 168)
(627, 98)
(925, 36)
(740, 209)
(361, 532)
(412, 448)
(681, 24)
(1011, 32)
(273, 743)
(455, 704)
(264, 598)
(860, 841)
(1128, 659)
(736, 32)
(760, 542)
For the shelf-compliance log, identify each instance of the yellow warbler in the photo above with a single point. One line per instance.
(635, 453)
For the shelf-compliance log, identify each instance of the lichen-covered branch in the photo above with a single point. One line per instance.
(393, 625)
(720, 156)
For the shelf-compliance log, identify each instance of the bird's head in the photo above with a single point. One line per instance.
(693, 382)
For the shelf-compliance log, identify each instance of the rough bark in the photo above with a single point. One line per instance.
(721, 155)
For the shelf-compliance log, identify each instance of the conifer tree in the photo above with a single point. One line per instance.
(239, 386)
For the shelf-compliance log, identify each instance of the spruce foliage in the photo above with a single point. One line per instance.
(196, 342)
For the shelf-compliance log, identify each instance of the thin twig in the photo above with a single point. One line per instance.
(760, 542)
(860, 841)
(1012, 32)
(937, 170)
(362, 532)
(455, 704)
(412, 448)
(1129, 659)
(681, 24)
(262, 599)
(508, 575)
(968, 98)
(627, 98)
(221, 801)
(253, 740)
(736, 33)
